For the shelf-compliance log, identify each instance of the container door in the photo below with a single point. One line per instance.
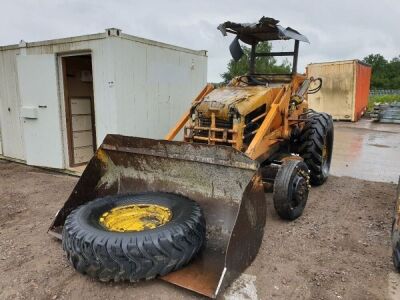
(363, 78)
(1, 146)
(37, 76)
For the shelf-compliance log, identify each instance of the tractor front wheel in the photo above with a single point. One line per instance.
(291, 188)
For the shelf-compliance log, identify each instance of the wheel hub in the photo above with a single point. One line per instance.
(300, 191)
(135, 217)
(300, 187)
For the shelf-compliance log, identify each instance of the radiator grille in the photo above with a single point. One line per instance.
(222, 134)
(219, 123)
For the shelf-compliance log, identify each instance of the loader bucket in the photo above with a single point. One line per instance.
(225, 182)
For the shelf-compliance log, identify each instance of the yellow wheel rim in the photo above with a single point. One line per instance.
(135, 217)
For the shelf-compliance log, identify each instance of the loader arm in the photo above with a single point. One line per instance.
(267, 134)
(182, 121)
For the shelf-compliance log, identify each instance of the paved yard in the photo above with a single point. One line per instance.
(367, 150)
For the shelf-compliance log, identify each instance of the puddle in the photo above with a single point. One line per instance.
(379, 146)
(366, 154)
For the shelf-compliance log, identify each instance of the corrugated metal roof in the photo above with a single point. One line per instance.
(108, 32)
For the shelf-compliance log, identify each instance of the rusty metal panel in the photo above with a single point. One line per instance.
(338, 93)
(223, 181)
(244, 99)
(363, 80)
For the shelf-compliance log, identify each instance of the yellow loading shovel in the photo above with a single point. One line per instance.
(224, 182)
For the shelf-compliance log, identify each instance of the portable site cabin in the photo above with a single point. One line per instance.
(345, 88)
(59, 98)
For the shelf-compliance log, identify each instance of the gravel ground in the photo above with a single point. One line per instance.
(339, 248)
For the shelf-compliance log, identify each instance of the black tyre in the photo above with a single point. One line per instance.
(291, 188)
(316, 145)
(396, 241)
(396, 256)
(396, 232)
(100, 239)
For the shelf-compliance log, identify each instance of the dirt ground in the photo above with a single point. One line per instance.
(339, 248)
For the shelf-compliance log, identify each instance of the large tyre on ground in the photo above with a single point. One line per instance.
(315, 145)
(291, 188)
(133, 237)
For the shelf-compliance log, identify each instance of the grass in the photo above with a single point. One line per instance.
(378, 99)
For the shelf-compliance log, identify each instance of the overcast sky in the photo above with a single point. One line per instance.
(337, 29)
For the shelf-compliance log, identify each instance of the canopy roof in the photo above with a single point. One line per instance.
(267, 29)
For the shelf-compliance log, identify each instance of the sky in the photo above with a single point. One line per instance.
(337, 30)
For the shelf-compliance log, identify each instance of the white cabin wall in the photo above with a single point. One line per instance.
(155, 86)
(141, 87)
(103, 76)
(10, 105)
(130, 63)
(103, 79)
(105, 106)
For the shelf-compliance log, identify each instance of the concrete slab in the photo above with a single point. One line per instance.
(369, 124)
(367, 150)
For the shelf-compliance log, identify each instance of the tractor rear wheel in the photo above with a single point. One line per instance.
(133, 237)
(291, 188)
(315, 145)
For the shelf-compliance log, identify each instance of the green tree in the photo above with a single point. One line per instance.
(385, 74)
(377, 61)
(262, 64)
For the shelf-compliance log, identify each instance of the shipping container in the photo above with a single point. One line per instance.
(345, 88)
(59, 98)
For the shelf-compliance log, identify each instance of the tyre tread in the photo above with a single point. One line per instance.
(281, 190)
(310, 144)
(135, 258)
